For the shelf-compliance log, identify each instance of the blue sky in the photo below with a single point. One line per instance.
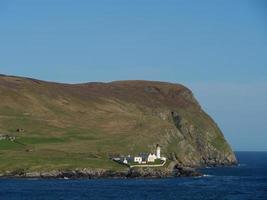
(218, 48)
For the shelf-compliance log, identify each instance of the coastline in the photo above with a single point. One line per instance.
(101, 173)
(173, 170)
(250, 178)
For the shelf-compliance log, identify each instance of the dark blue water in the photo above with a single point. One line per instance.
(247, 181)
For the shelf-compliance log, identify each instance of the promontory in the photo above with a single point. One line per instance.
(49, 128)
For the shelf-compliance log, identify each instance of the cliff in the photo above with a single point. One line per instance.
(68, 126)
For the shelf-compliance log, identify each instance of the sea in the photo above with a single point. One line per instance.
(247, 181)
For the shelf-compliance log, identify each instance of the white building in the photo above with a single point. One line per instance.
(138, 159)
(125, 161)
(142, 158)
(158, 152)
(151, 157)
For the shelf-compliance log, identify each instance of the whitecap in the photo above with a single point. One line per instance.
(207, 175)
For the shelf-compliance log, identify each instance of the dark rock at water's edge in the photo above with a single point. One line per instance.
(99, 173)
(185, 172)
(157, 173)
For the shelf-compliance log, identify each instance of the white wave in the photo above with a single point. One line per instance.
(207, 175)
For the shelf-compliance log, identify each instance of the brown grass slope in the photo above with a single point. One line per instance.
(82, 125)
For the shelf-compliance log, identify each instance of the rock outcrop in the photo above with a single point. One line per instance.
(102, 173)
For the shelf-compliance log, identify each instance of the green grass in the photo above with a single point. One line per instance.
(8, 145)
(76, 148)
(40, 140)
(45, 160)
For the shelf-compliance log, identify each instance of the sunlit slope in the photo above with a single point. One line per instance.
(82, 125)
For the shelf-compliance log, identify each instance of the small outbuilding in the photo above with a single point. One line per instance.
(138, 159)
(151, 157)
(125, 161)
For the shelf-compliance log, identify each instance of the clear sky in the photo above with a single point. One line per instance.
(218, 48)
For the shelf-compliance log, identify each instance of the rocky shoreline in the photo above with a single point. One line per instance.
(101, 173)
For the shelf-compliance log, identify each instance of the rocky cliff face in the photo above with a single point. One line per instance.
(202, 145)
(93, 121)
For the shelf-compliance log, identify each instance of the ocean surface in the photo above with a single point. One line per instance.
(246, 181)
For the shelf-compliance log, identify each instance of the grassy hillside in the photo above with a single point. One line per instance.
(70, 126)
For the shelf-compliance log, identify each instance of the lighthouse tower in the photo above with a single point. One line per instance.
(158, 152)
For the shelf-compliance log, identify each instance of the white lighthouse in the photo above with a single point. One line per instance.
(158, 152)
